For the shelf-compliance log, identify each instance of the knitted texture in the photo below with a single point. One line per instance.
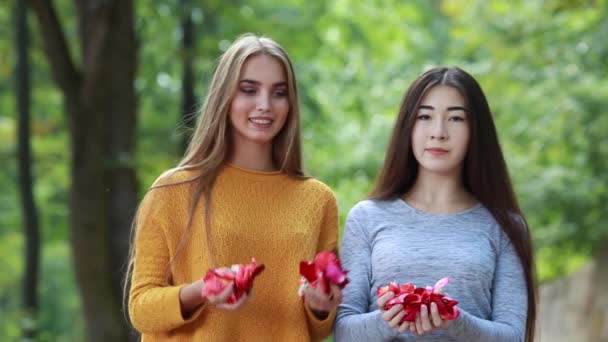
(277, 219)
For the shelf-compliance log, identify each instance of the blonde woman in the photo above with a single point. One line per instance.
(239, 192)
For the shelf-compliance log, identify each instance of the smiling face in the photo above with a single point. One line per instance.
(440, 136)
(261, 105)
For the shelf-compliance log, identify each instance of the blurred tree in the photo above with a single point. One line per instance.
(100, 107)
(31, 231)
(188, 107)
(543, 64)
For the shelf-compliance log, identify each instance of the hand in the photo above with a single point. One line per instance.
(423, 323)
(394, 315)
(427, 321)
(220, 299)
(320, 302)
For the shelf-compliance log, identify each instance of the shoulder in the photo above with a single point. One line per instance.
(171, 185)
(316, 188)
(176, 176)
(516, 225)
(482, 216)
(370, 207)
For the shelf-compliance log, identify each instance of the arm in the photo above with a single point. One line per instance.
(509, 304)
(354, 322)
(154, 305)
(320, 327)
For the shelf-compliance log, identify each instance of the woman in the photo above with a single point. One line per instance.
(239, 193)
(443, 206)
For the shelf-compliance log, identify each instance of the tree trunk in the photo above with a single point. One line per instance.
(575, 307)
(30, 214)
(188, 110)
(101, 105)
(599, 311)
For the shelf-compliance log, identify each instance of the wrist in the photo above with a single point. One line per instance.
(193, 293)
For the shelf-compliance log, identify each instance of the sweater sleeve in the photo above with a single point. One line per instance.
(328, 241)
(154, 305)
(509, 304)
(354, 322)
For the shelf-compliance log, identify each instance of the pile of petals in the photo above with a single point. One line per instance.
(323, 270)
(412, 297)
(240, 277)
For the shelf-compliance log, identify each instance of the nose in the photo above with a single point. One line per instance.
(439, 131)
(263, 102)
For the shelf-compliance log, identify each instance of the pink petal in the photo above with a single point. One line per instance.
(441, 283)
(323, 270)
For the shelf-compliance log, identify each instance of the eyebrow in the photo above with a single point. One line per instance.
(452, 108)
(278, 84)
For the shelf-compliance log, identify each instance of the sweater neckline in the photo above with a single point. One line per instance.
(239, 171)
(410, 207)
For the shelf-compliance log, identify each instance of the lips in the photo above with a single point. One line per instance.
(436, 151)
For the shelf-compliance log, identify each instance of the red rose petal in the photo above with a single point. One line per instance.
(239, 276)
(324, 270)
(412, 298)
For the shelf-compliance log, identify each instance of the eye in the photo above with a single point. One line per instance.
(424, 117)
(280, 93)
(457, 118)
(248, 90)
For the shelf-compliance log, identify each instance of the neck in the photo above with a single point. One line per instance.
(253, 156)
(439, 193)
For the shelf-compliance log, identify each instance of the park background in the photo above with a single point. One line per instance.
(96, 97)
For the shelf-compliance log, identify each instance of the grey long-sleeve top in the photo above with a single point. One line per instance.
(392, 241)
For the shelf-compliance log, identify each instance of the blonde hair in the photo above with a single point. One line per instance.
(209, 145)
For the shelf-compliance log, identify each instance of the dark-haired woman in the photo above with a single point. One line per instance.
(443, 206)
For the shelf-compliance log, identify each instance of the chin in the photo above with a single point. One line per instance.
(266, 139)
(442, 169)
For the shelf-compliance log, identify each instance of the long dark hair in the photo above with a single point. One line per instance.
(485, 173)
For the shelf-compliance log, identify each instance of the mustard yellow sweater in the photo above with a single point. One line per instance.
(277, 219)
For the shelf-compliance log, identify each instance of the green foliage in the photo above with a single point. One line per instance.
(541, 63)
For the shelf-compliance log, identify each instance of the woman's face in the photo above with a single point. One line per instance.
(440, 136)
(260, 106)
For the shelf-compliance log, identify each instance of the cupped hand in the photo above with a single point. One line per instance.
(319, 301)
(220, 300)
(427, 320)
(394, 315)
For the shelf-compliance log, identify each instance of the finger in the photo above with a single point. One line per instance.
(235, 305)
(243, 299)
(424, 319)
(385, 298)
(222, 296)
(394, 323)
(336, 292)
(390, 313)
(419, 324)
(435, 317)
(316, 299)
(404, 326)
(310, 299)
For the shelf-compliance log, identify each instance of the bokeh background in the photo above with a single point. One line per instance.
(96, 100)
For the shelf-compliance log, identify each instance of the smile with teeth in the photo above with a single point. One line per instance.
(261, 121)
